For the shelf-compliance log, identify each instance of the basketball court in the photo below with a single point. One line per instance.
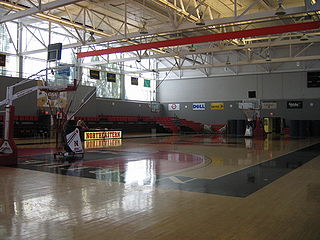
(163, 188)
(159, 120)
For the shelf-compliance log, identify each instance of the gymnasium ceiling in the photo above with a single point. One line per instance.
(115, 23)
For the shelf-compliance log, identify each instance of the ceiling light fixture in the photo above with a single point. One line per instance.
(143, 29)
(192, 48)
(53, 18)
(200, 21)
(241, 43)
(91, 38)
(304, 37)
(280, 10)
(228, 61)
(145, 54)
(268, 59)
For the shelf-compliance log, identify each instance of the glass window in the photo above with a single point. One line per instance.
(144, 91)
(105, 89)
(8, 47)
(8, 44)
(11, 68)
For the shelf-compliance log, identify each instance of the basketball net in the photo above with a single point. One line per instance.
(251, 114)
(251, 108)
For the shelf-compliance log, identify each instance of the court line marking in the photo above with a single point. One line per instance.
(281, 155)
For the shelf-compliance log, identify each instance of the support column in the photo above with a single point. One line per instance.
(19, 46)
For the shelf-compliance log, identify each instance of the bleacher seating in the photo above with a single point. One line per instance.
(197, 127)
(39, 126)
(167, 122)
(216, 127)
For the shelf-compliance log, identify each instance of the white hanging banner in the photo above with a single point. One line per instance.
(174, 107)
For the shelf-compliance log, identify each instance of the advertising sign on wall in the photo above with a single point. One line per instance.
(199, 106)
(173, 107)
(294, 104)
(217, 106)
(269, 105)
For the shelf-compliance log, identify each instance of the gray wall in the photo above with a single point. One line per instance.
(27, 105)
(231, 111)
(230, 88)
(281, 87)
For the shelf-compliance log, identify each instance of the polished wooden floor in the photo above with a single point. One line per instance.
(47, 204)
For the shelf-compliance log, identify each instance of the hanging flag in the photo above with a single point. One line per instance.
(94, 74)
(134, 81)
(111, 77)
(2, 60)
(146, 83)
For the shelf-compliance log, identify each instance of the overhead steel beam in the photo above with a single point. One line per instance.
(240, 63)
(207, 38)
(165, 29)
(34, 10)
(56, 19)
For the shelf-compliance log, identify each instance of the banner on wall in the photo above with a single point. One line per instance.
(294, 104)
(313, 79)
(269, 105)
(173, 106)
(217, 106)
(199, 106)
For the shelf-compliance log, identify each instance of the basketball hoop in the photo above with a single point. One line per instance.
(155, 107)
(8, 147)
(251, 114)
(251, 108)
